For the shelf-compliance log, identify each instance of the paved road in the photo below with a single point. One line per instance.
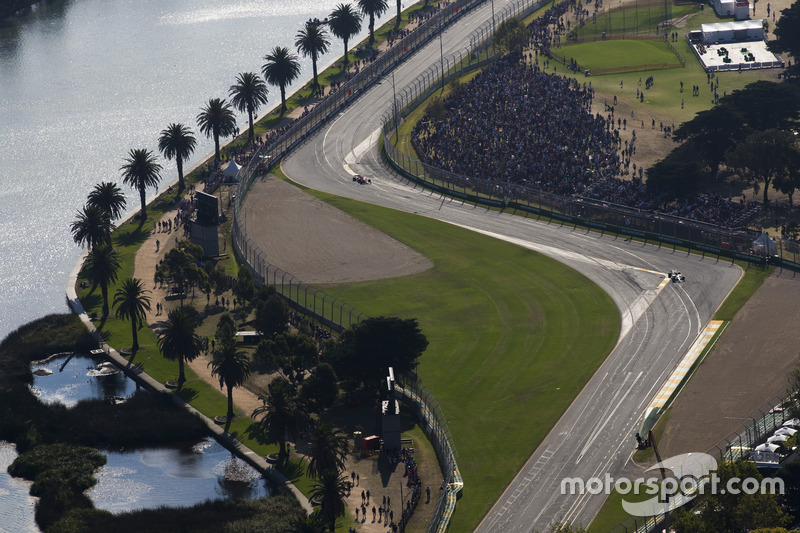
(595, 435)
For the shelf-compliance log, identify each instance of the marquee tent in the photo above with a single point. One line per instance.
(231, 171)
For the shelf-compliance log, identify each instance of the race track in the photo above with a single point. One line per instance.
(660, 321)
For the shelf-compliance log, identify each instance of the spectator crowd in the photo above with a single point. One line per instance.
(516, 127)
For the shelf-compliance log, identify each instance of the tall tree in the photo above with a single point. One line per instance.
(281, 413)
(328, 450)
(132, 303)
(788, 179)
(281, 68)
(248, 94)
(321, 388)
(787, 33)
(141, 171)
(108, 197)
(712, 132)
(232, 367)
(761, 156)
(216, 119)
(178, 339)
(330, 493)
(177, 142)
(731, 511)
(765, 104)
(102, 266)
(372, 9)
(271, 316)
(365, 352)
(344, 22)
(312, 41)
(91, 227)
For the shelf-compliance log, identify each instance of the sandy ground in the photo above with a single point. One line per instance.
(319, 244)
(746, 369)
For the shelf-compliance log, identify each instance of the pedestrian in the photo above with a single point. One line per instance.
(374, 511)
(391, 516)
(428, 493)
(367, 495)
(356, 514)
(358, 480)
(158, 244)
(363, 496)
(380, 514)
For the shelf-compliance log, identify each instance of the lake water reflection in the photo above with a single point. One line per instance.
(175, 477)
(58, 380)
(16, 503)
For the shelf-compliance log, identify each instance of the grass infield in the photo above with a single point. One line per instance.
(514, 336)
(619, 53)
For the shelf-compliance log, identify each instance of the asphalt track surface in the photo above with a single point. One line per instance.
(595, 435)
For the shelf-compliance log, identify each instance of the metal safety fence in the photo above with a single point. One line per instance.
(432, 419)
(739, 445)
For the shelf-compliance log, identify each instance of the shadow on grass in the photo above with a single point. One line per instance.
(187, 394)
(92, 302)
(293, 469)
(133, 238)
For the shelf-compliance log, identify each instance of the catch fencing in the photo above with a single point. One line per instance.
(432, 419)
(739, 445)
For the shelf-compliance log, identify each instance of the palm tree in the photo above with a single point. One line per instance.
(344, 22)
(280, 413)
(328, 450)
(312, 41)
(330, 494)
(132, 303)
(101, 267)
(281, 68)
(92, 226)
(216, 119)
(177, 338)
(108, 197)
(303, 523)
(177, 142)
(372, 9)
(399, 13)
(141, 171)
(232, 367)
(248, 94)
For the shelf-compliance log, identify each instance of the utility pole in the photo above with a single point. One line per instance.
(441, 51)
(394, 99)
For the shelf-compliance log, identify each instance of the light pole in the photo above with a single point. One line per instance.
(394, 99)
(441, 52)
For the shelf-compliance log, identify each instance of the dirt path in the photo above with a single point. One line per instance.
(145, 263)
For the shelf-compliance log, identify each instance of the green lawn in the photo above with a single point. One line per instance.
(619, 53)
(513, 336)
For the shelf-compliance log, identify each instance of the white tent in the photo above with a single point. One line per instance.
(792, 423)
(724, 8)
(777, 438)
(231, 171)
(767, 448)
(755, 28)
(786, 431)
(763, 245)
